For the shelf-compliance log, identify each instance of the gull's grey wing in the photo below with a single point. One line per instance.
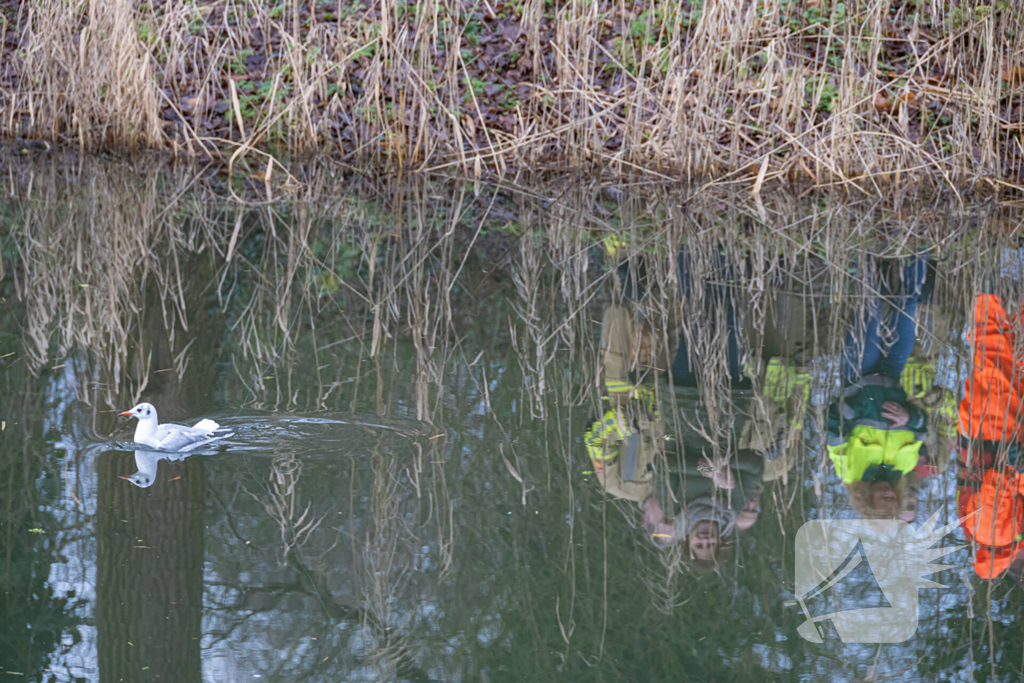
(183, 438)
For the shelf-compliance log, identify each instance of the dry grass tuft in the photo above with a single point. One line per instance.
(857, 93)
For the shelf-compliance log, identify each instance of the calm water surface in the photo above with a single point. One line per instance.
(412, 374)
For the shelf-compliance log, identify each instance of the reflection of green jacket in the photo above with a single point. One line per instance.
(860, 437)
(939, 404)
(689, 483)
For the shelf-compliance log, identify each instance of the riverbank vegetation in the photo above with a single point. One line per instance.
(860, 92)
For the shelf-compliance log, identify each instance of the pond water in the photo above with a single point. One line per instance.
(414, 487)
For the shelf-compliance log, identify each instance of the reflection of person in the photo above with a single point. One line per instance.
(624, 446)
(939, 403)
(714, 467)
(726, 404)
(750, 512)
(875, 432)
(717, 499)
(990, 491)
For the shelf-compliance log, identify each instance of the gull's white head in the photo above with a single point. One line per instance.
(144, 412)
(141, 479)
(147, 462)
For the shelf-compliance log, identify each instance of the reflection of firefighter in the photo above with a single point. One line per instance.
(990, 490)
(627, 445)
(712, 479)
(623, 443)
(767, 421)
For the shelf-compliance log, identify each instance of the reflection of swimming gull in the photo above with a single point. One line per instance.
(147, 462)
(171, 437)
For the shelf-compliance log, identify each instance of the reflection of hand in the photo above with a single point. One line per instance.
(653, 514)
(723, 479)
(895, 413)
(662, 533)
(719, 473)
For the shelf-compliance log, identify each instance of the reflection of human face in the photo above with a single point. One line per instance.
(909, 513)
(704, 540)
(883, 499)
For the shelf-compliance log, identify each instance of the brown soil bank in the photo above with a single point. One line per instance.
(861, 91)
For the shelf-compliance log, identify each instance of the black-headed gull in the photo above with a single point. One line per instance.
(171, 437)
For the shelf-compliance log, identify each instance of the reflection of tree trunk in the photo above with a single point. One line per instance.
(149, 583)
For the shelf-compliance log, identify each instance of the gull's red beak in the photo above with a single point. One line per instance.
(122, 477)
(126, 413)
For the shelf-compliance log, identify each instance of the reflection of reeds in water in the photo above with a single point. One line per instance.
(88, 255)
(266, 324)
(87, 261)
(556, 290)
(535, 353)
(387, 567)
(399, 290)
(312, 274)
(282, 503)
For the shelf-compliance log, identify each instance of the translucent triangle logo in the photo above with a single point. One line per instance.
(900, 558)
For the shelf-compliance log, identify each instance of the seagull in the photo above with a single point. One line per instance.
(171, 437)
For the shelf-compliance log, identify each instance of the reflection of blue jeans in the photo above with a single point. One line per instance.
(717, 295)
(901, 319)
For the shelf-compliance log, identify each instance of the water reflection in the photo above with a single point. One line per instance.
(728, 420)
(476, 439)
(990, 483)
(876, 432)
(149, 572)
(147, 463)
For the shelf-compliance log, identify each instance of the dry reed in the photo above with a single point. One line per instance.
(859, 93)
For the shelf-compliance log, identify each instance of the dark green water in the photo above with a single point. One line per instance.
(409, 372)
